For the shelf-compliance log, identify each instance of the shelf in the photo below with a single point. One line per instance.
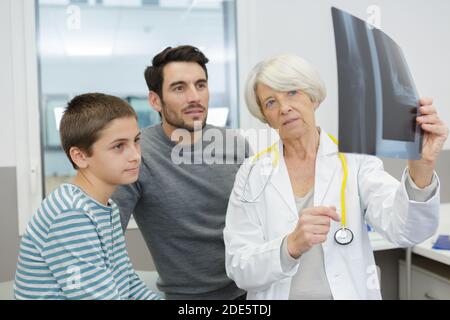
(425, 248)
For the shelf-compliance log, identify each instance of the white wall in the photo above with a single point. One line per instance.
(19, 111)
(7, 158)
(421, 28)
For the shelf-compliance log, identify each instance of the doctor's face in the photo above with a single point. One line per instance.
(289, 112)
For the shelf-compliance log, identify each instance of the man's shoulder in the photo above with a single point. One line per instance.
(221, 129)
(151, 131)
(152, 139)
(226, 133)
(210, 126)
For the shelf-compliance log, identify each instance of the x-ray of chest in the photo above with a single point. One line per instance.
(378, 101)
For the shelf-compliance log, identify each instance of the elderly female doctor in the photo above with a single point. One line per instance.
(284, 233)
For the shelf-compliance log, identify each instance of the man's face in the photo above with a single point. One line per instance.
(116, 155)
(185, 95)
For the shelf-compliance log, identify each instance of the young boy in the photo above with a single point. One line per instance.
(74, 246)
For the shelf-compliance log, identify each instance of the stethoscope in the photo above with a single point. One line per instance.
(343, 235)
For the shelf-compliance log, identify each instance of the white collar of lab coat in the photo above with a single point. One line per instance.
(326, 163)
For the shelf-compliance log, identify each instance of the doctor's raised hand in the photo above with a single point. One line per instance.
(435, 134)
(300, 232)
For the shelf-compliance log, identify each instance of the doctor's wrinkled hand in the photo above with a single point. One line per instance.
(312, 229)
(435, 134)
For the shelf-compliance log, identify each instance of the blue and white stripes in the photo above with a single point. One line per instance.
(74, 248)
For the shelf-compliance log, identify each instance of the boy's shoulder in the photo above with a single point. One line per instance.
(64, 201)
(65, 198)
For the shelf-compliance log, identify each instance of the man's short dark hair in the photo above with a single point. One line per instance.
(154, 73)
(86, 116)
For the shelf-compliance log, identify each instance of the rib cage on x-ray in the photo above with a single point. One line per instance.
(377, 97)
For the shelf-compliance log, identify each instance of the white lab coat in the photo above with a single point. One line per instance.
(254, 231)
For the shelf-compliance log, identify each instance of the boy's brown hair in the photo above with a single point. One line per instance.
(86, 116)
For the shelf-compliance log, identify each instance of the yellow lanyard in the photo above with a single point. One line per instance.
(344, 182)
(274, 149)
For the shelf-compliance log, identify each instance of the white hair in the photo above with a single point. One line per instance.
(284, 72)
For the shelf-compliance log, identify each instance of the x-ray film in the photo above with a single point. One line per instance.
(378, 100)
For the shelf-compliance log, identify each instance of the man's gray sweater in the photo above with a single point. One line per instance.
(180, 209)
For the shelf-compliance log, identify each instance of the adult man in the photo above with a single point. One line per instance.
(180, 199)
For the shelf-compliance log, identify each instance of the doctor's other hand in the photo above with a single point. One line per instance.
(435, 130)
(434, 136)
(312, 229)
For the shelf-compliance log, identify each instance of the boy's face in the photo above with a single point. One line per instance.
(185, 95)
(116, 155)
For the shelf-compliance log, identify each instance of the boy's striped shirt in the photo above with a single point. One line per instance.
(74, 248)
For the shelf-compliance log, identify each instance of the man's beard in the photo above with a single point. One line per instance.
(179, 123)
